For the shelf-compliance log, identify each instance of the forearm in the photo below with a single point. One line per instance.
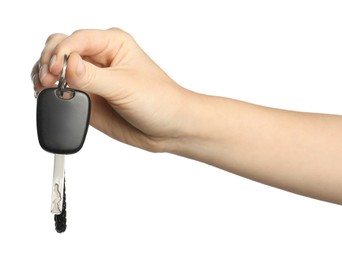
(294, 151)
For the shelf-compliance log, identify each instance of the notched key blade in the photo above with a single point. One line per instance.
(56, 200)
(58, 185)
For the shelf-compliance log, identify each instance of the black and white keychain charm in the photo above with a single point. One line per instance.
(62, 124)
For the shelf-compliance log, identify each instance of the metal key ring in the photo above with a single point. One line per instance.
(62, 82)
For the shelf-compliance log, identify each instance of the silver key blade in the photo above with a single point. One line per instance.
(58, 184)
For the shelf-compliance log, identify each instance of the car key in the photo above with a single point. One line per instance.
(62, 124)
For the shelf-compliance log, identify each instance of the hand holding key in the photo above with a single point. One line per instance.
(126, 87)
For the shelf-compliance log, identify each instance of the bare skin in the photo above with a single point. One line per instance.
(136, 102)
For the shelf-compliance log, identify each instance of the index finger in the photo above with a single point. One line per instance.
(98, 46)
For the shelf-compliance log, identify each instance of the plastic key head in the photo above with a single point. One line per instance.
(62, 120)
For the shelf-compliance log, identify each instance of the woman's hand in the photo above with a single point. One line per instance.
(133, 100)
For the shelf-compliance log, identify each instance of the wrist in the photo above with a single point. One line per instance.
(203, 129)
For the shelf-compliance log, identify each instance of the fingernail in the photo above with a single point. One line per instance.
(80, 67)
(43, 71)
(52, 61)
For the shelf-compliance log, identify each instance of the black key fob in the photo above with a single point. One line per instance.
(62, 119)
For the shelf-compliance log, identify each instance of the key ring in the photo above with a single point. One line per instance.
(62, 82)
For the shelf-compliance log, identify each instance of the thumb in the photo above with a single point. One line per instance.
(87, 77)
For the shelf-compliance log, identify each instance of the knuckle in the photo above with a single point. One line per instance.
(121, 34)
(79, 32)
(55, 36)
(79, 36)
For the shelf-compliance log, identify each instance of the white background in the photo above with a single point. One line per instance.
(125, 203)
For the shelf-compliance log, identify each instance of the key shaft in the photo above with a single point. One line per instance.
(58, 184)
